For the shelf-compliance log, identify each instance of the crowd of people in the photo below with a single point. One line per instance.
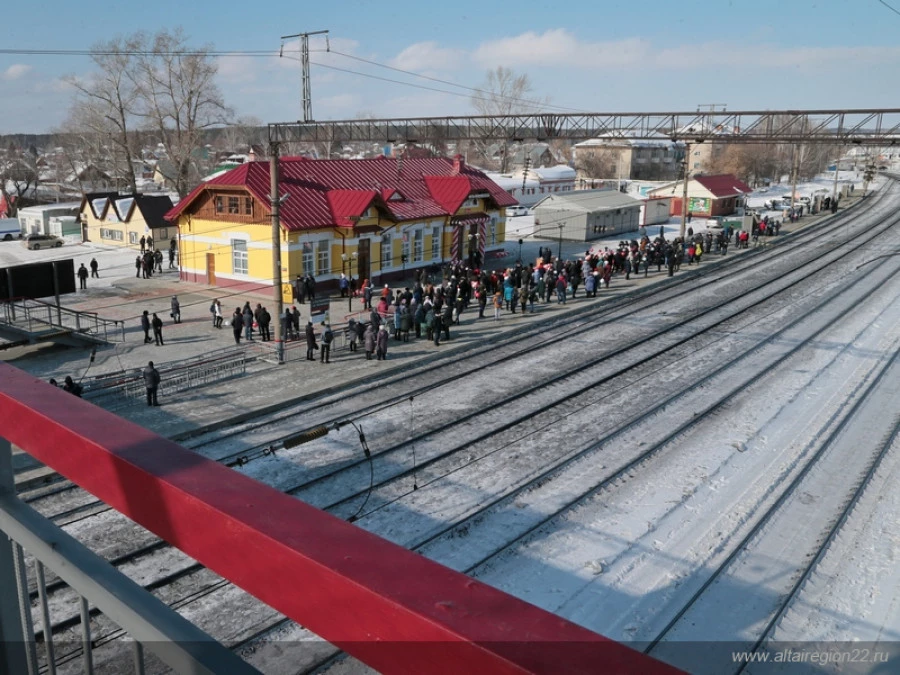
(427, 310)
(150, 260)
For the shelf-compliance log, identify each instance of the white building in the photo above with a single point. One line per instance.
(36, 219)
(528, 189)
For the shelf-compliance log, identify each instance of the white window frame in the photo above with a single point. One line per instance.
(307, 257)
(492, 232)
(240, 257)
(387, 252)
(418, 245)
(404, 246)
(132, 237)
(436, 243)
(323, 257)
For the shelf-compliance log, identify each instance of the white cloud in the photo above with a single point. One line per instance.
(558, 48)
(423, 56)
(15, 71)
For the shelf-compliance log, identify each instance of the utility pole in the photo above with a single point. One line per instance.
(304, 60)
(837, 166)
(794, 171)
(684, 193)
(275, 201)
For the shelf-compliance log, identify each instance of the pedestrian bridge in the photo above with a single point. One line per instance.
(392, 609)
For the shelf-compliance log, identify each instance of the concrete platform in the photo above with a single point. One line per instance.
(189, 412)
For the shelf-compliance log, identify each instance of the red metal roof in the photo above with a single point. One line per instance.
(429, 187)
(724, 185)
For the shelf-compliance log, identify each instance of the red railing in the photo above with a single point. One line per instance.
(390, 608)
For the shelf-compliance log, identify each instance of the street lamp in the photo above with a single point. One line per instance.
(559, 253)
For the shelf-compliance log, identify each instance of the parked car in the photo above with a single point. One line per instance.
(517, 211)
(35, 242)
(10, 228)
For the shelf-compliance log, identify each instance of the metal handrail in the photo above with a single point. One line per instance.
(152, 623)
(444, 623)
(36, 315)
(125, 387)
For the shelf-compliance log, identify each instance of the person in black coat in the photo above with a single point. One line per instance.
(145, 325)
(72, 387)
(237, 323)
(310, 341)
(151, 382)
(264, 320)
(82, 276)
(157, 329)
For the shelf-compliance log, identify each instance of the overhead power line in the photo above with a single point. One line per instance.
(893, 9)
(475, 90)
(125, 52)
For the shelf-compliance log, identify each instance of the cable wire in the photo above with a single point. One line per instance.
(365, 447)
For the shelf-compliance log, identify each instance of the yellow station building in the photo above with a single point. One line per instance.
(372, 219)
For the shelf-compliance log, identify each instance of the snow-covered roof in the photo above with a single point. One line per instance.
(620, 138)
(508, 182)
(587, 201)
(558, 172)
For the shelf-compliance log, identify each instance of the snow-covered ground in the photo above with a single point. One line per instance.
(675, 465)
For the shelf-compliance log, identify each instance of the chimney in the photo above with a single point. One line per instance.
(458, 164)
(252, 154)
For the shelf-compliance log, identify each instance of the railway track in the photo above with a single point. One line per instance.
(512, 426)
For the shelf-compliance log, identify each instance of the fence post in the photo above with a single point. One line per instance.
(13, 655)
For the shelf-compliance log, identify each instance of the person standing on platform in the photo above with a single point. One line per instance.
(176, 310)
(381, 343)
(264, 320)
(311, 345)
(237, 322)
(327, 339)
(82, 276)
(145, 326)
(94, 267)
(151, 382)
(369, 341)
(157, 329)
(247, 316)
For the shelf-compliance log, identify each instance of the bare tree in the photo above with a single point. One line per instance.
(18, 178)
(598, 162)
(180, 100)
(243, 135)
(106, 101)
(504, 93)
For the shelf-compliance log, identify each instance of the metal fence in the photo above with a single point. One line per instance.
(125, 388)
(36, 316)
(148, 621)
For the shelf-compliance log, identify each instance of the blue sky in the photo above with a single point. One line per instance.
(651, 55)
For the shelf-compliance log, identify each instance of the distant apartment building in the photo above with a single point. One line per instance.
(624, 158)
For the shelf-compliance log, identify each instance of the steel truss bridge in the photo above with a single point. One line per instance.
(870, 127)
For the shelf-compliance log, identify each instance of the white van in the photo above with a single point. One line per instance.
(10, 228)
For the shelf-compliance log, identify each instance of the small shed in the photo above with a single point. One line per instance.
(586, 215)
